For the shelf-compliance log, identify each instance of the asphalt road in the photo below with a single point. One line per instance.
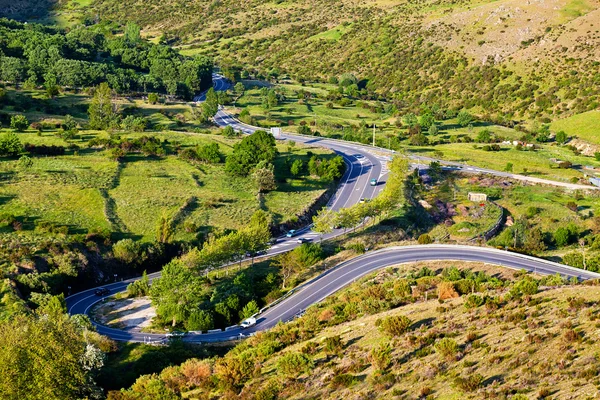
(337, 278)
(363, 164)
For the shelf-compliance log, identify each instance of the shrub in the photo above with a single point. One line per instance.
(425, 239)
(446, 290)
(447, 348)
(526, 286)
(128, 252)
(200, 320)
(139, 288)
(19, 122)
(473, 301)
(343, 380)
(333, 344)
(470, 383)
(381, 356)
(395, 325)
(294, 364)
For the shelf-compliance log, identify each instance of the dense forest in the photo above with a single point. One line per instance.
(33, 55)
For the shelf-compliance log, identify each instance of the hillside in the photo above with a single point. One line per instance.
(503, 59)
(413, 332)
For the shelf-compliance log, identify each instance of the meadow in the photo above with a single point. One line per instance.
(84, 187)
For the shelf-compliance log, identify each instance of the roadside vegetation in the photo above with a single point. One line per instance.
(413, 331)
(452, 134)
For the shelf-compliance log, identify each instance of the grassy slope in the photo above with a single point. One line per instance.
(503, 353)
(392, 44)
(65, 189)
(585, 126)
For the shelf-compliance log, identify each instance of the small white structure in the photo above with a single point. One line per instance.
(477, 197)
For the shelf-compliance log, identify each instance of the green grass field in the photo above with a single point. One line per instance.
(585, 126)
(67, 190)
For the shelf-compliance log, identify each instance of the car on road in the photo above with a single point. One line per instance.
(101, 291)
(363, 200)
(302, 240)
(175, 334)
(373, 182)
(291, 233)
(248, 322)
(274, 241)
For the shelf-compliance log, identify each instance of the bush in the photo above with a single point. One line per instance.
(425, 239)
(470, 383)
(447, 348)
(527, 286)
(294, 364)
(343, 381)
(200, 320)
(395, 325)
(139, 288)
(473, 301)
(381, 356)
(129, 252)
(19, 122)
(333, 344)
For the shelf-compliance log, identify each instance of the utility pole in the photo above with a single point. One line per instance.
(582, 244)
(373, 134)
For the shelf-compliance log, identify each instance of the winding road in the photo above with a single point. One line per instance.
(363, 164)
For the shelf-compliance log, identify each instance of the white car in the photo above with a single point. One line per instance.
(248, 322)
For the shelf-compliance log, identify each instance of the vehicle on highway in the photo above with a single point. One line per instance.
(363, 200)
(373, 182)
(303, 240)
(255, 253)
(291, 233)
(248, 322)
(101, 291)
(273, 241)
(176, 334)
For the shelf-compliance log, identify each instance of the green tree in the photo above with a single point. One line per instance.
(484, 136)
(229, 132)
(47, 357)
(561, 137)
(249, 310)
(464, 118)
(426, 121)
(239, 89)
(297, 167)
(102, 111)
(433, 130)
(177, 293)
(260, 146)
(264, 177)
(132, 33)
(10, 144)
(200, 320)
(129, 252)
(164, 229)
(211, 104)
(153, 98)
(210, 153)
(410, 120)
(324, 221)
(19, 122)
